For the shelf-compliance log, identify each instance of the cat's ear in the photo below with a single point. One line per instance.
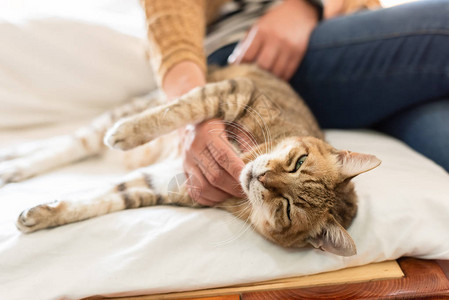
(334, 239)
(353, 163)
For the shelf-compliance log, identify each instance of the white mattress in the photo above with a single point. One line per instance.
(403, 206)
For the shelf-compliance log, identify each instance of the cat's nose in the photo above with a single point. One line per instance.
(262, 178)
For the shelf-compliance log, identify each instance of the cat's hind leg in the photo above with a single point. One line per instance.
(144, 187)
(65, 212)
(30, 159)
(23, 161)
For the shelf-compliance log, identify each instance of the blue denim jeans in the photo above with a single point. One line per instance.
(386, 69)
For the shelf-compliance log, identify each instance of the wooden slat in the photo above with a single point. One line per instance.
(423, 279)
(376, 271)
(228, 297)
(444, 264)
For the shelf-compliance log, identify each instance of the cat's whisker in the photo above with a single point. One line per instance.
(257, 118)
(243, 204)
(246, 133)
(241, 129)
(253, 150)
(251, 146)
(264, 128)
(246, 226)
(240, 140)
(237, 186)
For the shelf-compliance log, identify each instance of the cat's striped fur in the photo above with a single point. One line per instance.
(298, 187)
(27, 160)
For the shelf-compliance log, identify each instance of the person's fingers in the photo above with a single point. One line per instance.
(216, 175)
(210, 156)
(267, 56)
(248, 49)
(199, 162)
(292, 66)
(230, 163)
(199, 188)
(217, 144)
(225, 156)
(280, 65)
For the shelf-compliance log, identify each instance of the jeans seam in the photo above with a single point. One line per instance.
(378, 38)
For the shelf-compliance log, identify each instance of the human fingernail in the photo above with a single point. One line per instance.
(235, 53)
(232, 58)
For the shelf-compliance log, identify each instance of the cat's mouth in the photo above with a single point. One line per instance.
(246, 177)
(249, 177)
(249, 182)
(250, 174)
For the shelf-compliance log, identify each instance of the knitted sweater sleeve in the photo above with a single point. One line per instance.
(176, 31)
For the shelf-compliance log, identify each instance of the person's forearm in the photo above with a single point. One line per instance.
(175, 33)
(181, 78)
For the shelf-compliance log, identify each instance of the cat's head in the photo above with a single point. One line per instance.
(301, 194)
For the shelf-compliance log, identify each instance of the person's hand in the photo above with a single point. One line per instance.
(278, 41)
(210, 164)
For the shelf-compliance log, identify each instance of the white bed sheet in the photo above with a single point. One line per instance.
(61, 70)
(403, 211)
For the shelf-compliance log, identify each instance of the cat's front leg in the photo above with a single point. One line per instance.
(224, 100)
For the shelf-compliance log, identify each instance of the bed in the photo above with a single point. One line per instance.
(49, 87)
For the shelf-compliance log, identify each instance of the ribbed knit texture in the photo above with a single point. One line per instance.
(176, 31)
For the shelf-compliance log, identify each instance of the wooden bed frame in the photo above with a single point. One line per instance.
(405, 278)
(422, 280)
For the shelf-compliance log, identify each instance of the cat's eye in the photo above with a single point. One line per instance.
(299, 163)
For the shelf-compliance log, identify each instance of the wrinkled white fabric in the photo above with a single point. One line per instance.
(403, 207)
(65, 60)
(60, 70)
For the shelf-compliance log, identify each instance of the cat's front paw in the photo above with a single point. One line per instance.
(124, 135)
(39, 217)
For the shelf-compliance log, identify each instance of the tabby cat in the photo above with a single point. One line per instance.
(298, 187)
